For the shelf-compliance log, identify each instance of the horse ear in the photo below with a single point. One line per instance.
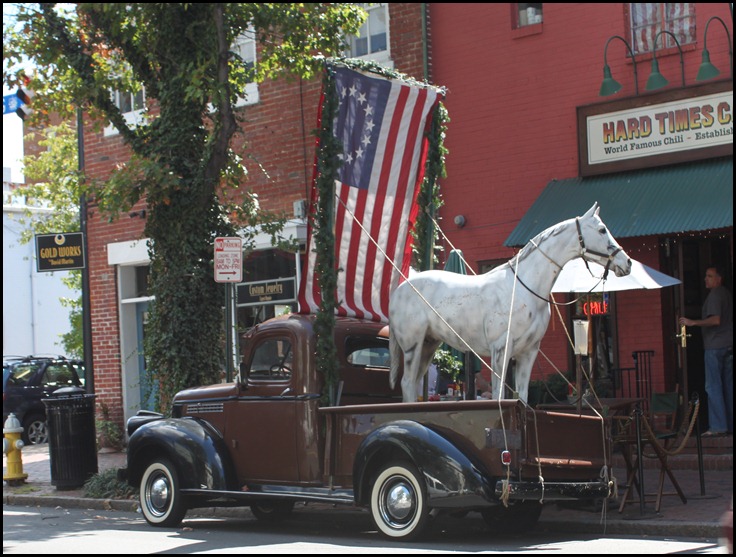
(593, 210)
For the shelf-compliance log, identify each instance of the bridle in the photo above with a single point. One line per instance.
(583, 250)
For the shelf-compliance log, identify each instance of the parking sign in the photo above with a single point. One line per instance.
(229, 259)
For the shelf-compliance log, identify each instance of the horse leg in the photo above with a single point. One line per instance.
(524, 363)
(412, 362)
(428, 350)
(499, 362)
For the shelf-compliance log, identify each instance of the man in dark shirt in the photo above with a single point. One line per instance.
(717, 326)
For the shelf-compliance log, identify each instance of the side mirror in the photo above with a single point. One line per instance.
(242, 376)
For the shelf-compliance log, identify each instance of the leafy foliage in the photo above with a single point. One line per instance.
(447, 364)
(182, 163)
(106, 485)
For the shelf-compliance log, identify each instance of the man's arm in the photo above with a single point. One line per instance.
(710, 321)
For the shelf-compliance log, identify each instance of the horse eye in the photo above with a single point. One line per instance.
(602, 230)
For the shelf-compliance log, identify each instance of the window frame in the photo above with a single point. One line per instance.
(519, 14)
(382, 57)
(686, 34)
(242, 42)
(132, 117)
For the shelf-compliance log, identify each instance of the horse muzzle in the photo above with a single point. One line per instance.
(622, 270)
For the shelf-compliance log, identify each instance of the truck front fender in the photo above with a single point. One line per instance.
(192, 444)
(451, 478)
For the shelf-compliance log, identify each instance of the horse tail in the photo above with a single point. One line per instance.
(395, 353)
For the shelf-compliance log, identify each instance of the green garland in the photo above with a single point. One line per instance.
(328, 164)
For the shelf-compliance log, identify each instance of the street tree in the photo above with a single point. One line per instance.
(182, 163)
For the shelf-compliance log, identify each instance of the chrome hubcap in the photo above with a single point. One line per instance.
(158, 495)
(399, 502)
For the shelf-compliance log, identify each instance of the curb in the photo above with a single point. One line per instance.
(591, 523)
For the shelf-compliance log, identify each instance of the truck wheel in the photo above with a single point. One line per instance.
(272, 511)
(515, 519)
(399, 501)
(160, 497)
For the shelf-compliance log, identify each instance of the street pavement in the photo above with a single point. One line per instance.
(699, 518)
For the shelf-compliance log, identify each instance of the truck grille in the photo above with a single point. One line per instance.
(205, 408)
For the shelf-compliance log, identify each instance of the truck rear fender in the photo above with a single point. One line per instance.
(450, 476)
(193, 445)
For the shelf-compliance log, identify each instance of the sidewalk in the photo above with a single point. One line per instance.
(700, 517)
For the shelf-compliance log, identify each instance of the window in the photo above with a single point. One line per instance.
(272, 359)
(371, 42)
(244, 49)
(129, 102)
(528, 14)
(131, 105)
(367, 351)
(646, 20)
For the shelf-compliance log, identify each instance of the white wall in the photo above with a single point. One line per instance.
(33, 317)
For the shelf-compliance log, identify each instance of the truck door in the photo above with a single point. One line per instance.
(263, 430)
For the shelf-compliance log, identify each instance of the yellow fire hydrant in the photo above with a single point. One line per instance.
(12, 446)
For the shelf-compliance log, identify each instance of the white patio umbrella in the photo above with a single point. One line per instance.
(575, 277)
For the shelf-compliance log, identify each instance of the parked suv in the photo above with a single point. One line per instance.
(27, 381)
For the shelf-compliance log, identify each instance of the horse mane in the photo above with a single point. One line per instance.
(532, 244)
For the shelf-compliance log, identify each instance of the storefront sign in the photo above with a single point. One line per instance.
(686, 126)
(276, 291)
(59, 252)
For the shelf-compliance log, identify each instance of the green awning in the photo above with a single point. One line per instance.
(653, 201)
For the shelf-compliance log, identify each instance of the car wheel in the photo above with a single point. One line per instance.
(161, 499)
(514, 519)
(35, 430)
(399, 502)
(272, 511)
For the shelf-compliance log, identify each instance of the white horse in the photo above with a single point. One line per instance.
(433, 307)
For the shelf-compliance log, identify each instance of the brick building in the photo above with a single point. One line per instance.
(522, 80)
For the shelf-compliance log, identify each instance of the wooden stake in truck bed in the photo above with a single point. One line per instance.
(265, 441)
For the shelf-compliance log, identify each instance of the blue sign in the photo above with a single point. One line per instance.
(11, 103)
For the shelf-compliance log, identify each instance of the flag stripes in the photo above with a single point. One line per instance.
(380, 124)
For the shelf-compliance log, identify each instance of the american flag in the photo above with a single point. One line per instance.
(380, 124)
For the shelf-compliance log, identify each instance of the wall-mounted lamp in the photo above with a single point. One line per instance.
(139, 214)
(460, 221)
(609, 86)
(656, 79)
(708, 70)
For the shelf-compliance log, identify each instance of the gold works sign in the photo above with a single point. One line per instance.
(60, 252)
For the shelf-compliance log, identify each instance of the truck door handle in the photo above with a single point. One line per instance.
(286, 390)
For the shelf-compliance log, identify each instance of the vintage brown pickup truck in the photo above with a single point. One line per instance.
(268, 441)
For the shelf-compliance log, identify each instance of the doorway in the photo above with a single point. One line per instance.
(693, 256)
(147, 386)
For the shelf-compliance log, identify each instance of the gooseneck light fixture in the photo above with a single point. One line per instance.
(609, 86)
(708, 70)
(656, 79)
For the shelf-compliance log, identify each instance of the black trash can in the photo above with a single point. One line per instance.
(70, 417)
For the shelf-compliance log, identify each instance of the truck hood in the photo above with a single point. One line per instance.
(218, 391)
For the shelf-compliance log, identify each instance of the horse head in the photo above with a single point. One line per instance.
(597, 244)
